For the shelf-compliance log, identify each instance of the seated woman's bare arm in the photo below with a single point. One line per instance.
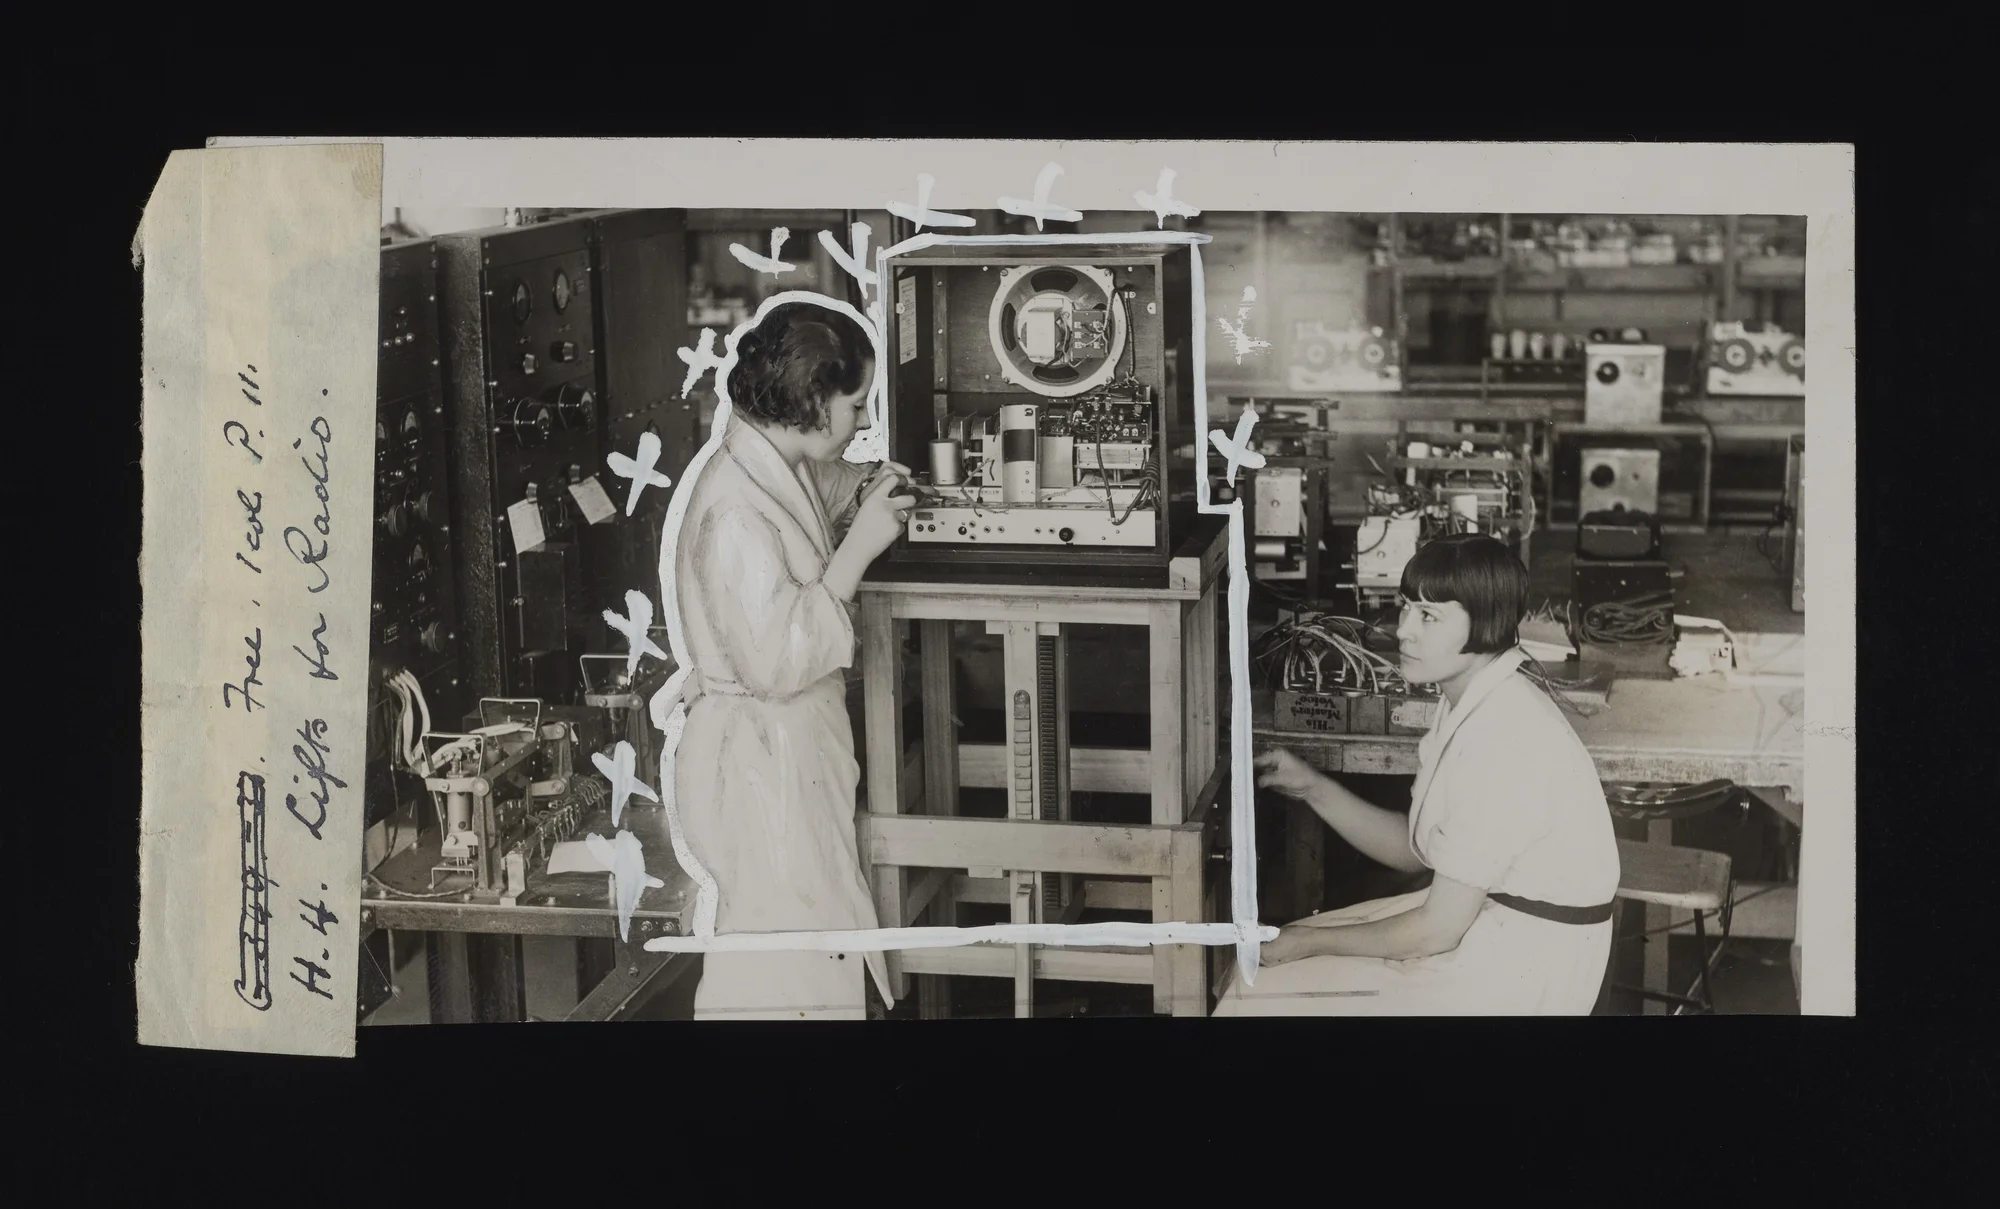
(1380, 835)
(1435, 927)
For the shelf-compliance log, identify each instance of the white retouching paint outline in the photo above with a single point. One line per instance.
(1244, 930)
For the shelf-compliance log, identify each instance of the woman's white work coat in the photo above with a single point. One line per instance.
(1506, 799)
(765, 771)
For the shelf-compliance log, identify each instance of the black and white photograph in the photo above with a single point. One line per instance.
(994, 581)
(1525, 599)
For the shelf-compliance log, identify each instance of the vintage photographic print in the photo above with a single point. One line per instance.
(1052, 607)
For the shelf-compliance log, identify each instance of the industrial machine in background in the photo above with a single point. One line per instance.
(413, 648)
(1042, 389)
(561, 341)
(1279, 523)
(1742, 362)
(517, 306)
(1463, 482)
(1354, 359)
(506, 792)
(639, 271)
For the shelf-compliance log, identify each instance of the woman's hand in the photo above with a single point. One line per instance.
(875, 475)
(1285, 773)
(1290, 946)
(882, 515)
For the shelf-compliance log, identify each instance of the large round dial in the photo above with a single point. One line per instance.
(576, 408)
(531, 424)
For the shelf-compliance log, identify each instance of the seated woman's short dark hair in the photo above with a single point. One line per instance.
(790, 364)
(1479, 572)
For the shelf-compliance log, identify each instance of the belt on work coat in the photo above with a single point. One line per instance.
(1553, 912)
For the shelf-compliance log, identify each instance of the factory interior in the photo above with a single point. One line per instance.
(1618, 397)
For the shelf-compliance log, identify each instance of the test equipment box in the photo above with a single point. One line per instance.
(1619, 480)
(1039, 391)
(1354, 359)
(1743, 362)
(1624, 384)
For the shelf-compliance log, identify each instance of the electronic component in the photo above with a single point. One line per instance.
(1042, 387)
(1355, 359)
(527, 426)
(1743, 362)
(1383, 546)
(1619, 480)
(506, 793)
(1624, 384)
(1621, 613)
(1279, 522)
(1339, 675)
(413, 618)
(1618, 535)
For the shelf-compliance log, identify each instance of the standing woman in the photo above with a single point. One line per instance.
(1507, 812)
(772, 546)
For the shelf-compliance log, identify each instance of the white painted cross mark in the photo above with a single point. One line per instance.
(1041, 209)
(626, 860)
(1238, 451)
(634, 625)
(1238, 332)
(640, 469)
(700, 359)
(856, 263)
(1162, 201)
(617, 768)
(921, 214)
(765, 264)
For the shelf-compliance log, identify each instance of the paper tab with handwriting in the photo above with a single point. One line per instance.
(260, 327)
(597, 506)
(524, 521)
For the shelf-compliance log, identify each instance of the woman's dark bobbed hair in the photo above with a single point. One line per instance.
(789, 365)
(1479, 572)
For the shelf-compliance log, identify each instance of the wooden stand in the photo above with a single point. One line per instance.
(925, 861)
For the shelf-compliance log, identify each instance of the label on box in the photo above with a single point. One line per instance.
(524, 521)
(597, 506)
(906, 320)
(1414, 713)
(1315, 712)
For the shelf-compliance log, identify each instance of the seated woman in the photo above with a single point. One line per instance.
(771, 548)
(1507, 812)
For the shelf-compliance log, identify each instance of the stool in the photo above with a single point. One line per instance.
(1658, 806)
(1689, 879)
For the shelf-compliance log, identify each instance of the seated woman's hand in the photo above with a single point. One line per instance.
(1285, 773)
(1289, 946)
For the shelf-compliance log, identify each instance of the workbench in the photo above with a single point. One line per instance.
(475, 951)
(924, 859)
(1684, 730)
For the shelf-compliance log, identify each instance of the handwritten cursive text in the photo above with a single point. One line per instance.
(311, 755)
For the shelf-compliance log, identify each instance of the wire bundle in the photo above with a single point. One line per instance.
(1323, 647)
(1642, 619)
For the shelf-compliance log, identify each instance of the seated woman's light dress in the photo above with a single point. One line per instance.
(1506, 800)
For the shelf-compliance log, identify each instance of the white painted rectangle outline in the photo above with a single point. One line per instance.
(1814, 180)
